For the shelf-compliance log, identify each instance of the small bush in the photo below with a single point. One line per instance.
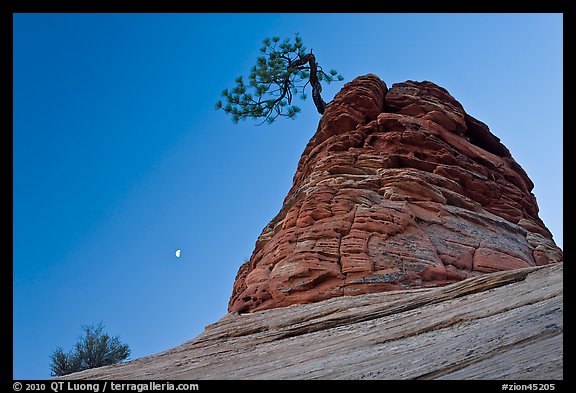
(93, 349)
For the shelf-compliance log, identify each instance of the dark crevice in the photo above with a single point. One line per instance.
(479, 135)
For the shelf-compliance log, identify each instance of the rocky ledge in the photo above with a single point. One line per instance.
(505, 325)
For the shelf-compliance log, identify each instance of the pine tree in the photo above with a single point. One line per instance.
(283, 71)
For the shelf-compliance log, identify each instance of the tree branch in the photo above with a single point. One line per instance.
(314, 82)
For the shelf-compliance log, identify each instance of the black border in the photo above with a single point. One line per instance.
(369, 6)
(513, 386)
(6, 84)
(10, 7)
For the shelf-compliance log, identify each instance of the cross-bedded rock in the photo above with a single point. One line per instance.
(399, 188)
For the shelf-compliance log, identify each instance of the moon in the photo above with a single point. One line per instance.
(178, 253)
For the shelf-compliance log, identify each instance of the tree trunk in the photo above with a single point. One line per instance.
(314, 82)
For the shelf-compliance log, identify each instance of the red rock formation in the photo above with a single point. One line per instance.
(399, 188)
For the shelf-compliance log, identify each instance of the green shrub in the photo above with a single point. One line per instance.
(93, 349)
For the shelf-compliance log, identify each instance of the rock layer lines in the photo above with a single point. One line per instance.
(459, 331)
(399, 188)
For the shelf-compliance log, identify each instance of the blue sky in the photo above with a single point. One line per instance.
(119, 157)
